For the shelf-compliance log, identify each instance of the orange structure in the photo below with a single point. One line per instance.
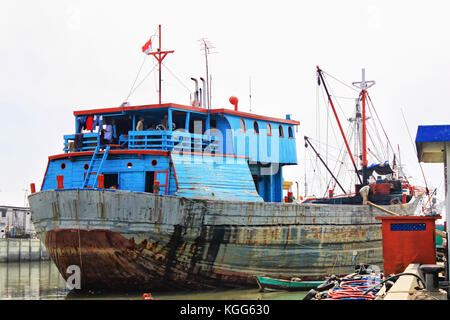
(407, 239)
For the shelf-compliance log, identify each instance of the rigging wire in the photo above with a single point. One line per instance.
(343, 83)
(140, 68)
(178, 79)
(145, 78)
(135, 79)
(415, 149)
(376, 113)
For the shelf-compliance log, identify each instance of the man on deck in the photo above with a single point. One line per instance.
(140, 124)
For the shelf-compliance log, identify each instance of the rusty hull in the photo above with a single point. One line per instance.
(138, 241)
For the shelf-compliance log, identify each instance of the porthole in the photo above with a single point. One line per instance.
(129, 165)
(86, 166)
(154, 162)
(63, 166)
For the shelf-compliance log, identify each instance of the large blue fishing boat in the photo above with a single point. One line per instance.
(169, 196)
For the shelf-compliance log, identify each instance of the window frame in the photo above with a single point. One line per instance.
(256, 127)
(243, 122)
(281, 131)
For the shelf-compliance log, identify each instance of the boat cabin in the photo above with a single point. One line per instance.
(173, 149)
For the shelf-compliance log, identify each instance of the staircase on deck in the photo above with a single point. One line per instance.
(95, 167)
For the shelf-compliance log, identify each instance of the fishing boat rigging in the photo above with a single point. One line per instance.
(364, 173)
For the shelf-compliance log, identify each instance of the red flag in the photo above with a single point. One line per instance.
(147, 46)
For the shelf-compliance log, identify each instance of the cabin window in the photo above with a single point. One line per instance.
(291, 134)
(129, 165)
(280, 130)
(63, 166)
(256, 127)
(242, 125)
(154, 162)
(269, 129)
(86, 166)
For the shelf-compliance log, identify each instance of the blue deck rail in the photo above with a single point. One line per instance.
(175, 140)
(90, 142)
(150, 140)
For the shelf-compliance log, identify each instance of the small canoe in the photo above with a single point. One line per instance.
(272, 284)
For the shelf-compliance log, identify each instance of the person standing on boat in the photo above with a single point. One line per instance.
(140, 124)
(108, 133)
(140, 127)
(165, 122)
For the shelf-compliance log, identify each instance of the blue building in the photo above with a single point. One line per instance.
(181, 150)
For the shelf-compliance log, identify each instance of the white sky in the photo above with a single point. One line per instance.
(60, 56)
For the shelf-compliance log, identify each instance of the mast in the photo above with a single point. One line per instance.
(159, 56)
(364, 85)
(319, 72)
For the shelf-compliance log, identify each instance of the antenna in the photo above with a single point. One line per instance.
(206, 46)
(250, 92)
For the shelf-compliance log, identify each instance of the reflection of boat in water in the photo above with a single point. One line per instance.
(196, 207)
(294, 284)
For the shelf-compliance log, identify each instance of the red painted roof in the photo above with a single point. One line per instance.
(183, 107)
(154, 152)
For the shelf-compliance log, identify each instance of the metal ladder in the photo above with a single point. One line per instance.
(91, 167)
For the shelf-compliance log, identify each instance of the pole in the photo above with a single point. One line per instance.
(364, 137)
(207, 77)
(159, 63)
(159, 56)
(317, 154)
(319, 71)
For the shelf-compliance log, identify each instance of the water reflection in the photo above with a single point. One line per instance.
(41, 280)
(31, 280)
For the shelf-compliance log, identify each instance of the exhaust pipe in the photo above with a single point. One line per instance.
(196, 92)
(204, 93)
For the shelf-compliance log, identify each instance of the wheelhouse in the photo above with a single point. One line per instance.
(173, 149)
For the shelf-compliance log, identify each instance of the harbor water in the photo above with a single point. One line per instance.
(42, 280)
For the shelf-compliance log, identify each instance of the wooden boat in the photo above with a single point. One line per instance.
(273, 284)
